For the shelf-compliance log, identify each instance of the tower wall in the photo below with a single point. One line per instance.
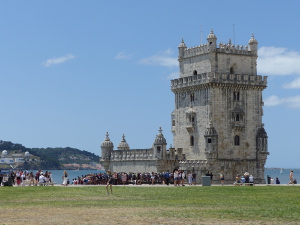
(219, 85)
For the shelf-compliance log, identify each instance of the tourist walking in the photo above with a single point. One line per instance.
(65, 178)
(222, 178)
(291, 177)
(110, 181)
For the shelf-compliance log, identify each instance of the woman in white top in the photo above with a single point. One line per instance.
(175, 177)
(65, 178)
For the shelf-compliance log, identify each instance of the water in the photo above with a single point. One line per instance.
(57, 174)
(284, 177)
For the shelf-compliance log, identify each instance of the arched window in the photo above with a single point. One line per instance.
(192, 140)
(237, 140)
(195, 72)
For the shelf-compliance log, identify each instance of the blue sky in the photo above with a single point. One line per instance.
(72, 70)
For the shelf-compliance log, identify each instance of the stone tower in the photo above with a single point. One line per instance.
(217, 120)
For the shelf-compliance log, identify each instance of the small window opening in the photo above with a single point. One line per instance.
(195, 72)
(209, 140)
(237, 140)
(231, 70)
(192, 119)
(192, 140)
(173, 122)
(236, 96)
(192, 97)
(158, 149)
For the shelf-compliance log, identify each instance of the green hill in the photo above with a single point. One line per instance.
(48, 158)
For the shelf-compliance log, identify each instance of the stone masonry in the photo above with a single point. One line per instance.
(217, 121)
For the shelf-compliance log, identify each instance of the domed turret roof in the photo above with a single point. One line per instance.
(252, 40)
(160, 139)
(123, 145)
(26, 153)
(182, 44)
(107, 142)
(211, 35)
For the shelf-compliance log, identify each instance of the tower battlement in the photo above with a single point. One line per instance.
(227, 48)
(221, 78)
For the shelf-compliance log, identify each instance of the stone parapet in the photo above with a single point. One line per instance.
(133, 154)
(223, 48)
(219, 78)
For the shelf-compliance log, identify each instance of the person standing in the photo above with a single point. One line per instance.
(211, 177)
(182, 178)
(222, 177)
(190, 178)
(194, 178)
(152, 178)
(175, 177)
(1, 177)
(167, 177)
(110, 181)
(291, 177)
(65, 178)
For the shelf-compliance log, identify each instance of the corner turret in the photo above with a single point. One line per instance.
(123, 145)
(159, 145)
(253, 44)
(106, 148)
(212, 40)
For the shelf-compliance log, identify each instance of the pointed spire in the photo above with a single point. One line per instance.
(123, 138)
(107, 137)
(182, 44)
(160, 130)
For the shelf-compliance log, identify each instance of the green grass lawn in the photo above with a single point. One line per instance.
(263, 204)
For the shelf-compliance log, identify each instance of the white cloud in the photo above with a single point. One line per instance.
(123, 55)
(293, 85)
(58, 60)
(174, 75)
(290, 102)
(162, 59)
(278, 61)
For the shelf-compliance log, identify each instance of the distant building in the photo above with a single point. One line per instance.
(217, 121)
(13, 158)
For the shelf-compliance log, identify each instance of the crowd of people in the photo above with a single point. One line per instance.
(177, 178)
(22, 177)
(244, 179)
